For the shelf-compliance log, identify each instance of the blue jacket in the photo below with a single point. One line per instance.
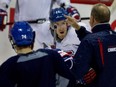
(97, 50)
(35, 69)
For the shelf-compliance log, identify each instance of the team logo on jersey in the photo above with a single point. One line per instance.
(112, 49)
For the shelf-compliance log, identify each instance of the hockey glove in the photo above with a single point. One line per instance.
(73, 12)
(90, 76)
(87, 79)
(3, 15)
(67, 58)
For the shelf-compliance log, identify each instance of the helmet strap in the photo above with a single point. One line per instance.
(12, 44)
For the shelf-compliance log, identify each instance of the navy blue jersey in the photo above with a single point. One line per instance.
(35, 69)
(82, 32)
(98, 50)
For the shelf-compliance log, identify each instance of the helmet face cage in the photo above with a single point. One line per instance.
(56, 15)
(22, 34)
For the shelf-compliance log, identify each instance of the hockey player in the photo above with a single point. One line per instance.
(30, 68)
(59, 35)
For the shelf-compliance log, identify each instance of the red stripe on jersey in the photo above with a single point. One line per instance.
(101, 50)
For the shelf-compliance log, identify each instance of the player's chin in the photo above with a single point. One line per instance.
(61, 36)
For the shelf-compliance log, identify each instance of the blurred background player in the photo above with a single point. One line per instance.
(30, 68)
(113, 12)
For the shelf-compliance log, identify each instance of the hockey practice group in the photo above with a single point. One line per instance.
(67, 55)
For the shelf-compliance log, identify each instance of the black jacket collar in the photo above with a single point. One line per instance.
(101, 27)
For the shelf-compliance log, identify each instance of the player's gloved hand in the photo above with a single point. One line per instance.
(87, 79)
(67, 58)
(3, 15)
(73, 12)
(69, 61)
(90, 76)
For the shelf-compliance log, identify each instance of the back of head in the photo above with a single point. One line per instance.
(21, 34)
(57, 14)
(101, 13)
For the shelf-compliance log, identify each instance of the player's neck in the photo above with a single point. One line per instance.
(24, 51)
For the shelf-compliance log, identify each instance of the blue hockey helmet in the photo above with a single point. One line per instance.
(22, 34)
(57, 14)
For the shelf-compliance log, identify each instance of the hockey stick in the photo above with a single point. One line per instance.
(42, 20)
(38, 21)
(85, 18)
